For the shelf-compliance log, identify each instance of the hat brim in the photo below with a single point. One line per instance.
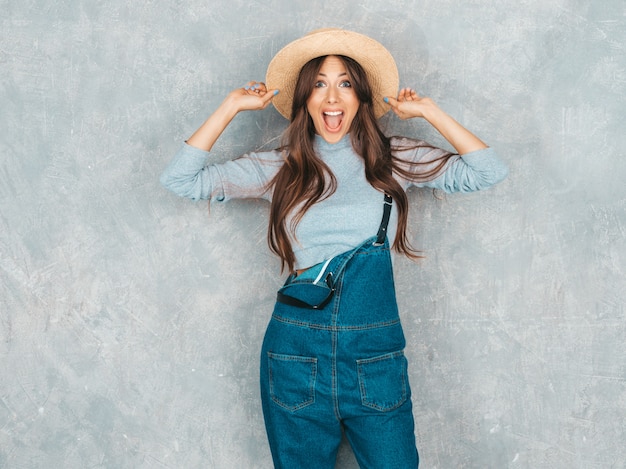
(376, 60)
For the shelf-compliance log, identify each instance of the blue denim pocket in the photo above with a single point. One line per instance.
(383, 381)
(292, 380)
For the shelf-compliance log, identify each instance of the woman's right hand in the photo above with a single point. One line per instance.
(253, 96)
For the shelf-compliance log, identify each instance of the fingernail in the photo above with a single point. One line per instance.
(386, 99)
(246, 87)
(275, 92)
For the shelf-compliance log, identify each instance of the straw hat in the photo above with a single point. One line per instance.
(381, 70)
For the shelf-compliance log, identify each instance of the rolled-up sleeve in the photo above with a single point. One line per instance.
(190, 175)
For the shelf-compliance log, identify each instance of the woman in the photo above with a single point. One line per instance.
(332, 358)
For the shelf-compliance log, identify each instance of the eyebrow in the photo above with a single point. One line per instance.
(344, 74)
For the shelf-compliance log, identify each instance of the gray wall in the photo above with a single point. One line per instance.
(131, 320)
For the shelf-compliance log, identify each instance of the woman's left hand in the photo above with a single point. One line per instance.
(409, 104)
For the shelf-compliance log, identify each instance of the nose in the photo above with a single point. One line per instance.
(332, 94)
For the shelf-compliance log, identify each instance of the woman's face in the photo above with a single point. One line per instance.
(333, 102)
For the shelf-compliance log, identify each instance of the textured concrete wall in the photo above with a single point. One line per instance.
(130, 320)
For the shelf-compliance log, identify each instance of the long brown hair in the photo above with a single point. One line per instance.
(304, 179)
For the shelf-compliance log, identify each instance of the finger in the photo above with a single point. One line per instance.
(268, 97)
(260, 89)
(408, 94)
(254, 87)
(393, 102)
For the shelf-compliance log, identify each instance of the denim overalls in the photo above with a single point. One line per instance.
(341, 366)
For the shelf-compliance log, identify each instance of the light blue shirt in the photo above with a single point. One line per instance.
(353, 212)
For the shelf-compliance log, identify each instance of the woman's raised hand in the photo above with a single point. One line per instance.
(409, 104)
(252, 97)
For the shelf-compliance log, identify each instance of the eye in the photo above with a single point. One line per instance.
(345, 84)
(319, 84)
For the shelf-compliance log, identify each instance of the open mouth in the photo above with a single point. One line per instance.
(333, 120)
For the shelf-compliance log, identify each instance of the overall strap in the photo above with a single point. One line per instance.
(382, 230)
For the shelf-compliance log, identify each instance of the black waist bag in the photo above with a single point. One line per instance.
(314, 288)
